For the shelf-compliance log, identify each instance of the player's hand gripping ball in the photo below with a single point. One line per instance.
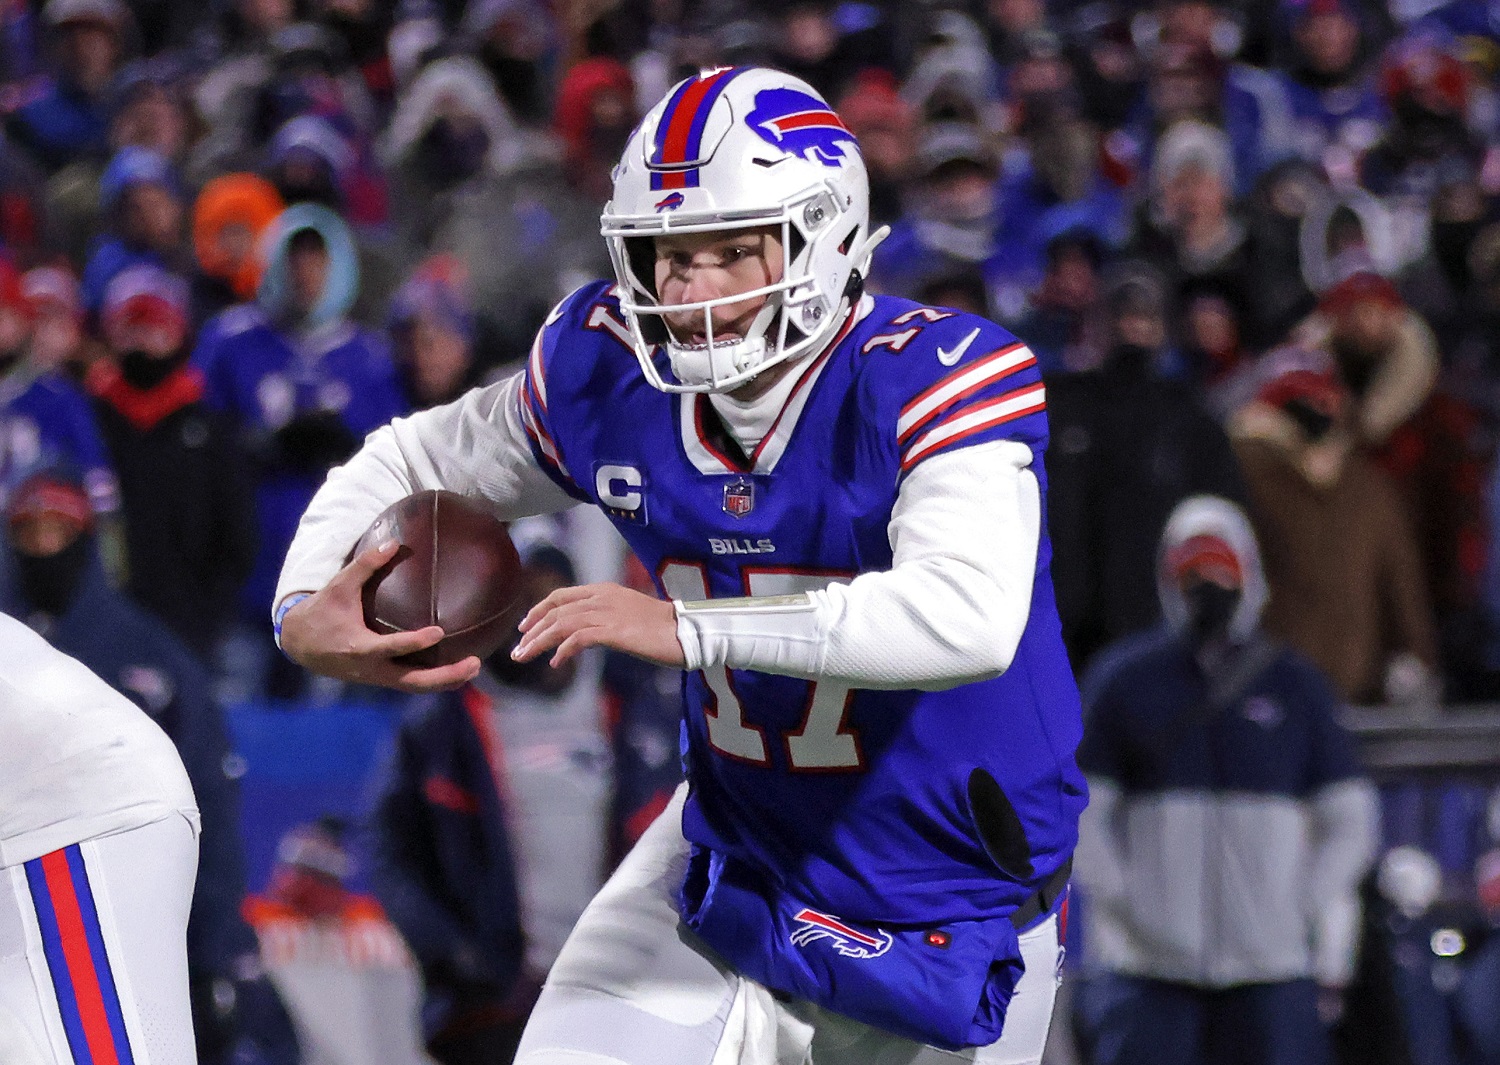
(456, 567)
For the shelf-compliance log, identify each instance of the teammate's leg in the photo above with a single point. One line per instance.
(634, 987)
(93, 948)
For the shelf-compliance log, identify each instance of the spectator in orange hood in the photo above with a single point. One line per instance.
(229, 217)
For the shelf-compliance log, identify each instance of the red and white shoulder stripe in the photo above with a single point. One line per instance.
(948, 411)
(531, 398)
(535, 374)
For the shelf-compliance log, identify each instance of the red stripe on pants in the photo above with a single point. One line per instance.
(80, 960)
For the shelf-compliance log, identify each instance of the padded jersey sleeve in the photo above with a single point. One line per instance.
(964, 532)
(939, 381)
(480, 444)
(549, 357)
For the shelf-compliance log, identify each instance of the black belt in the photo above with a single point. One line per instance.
(1043, 901)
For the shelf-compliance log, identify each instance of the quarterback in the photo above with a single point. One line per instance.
(842, 498)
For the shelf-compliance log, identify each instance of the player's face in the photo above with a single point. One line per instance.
(693, 267)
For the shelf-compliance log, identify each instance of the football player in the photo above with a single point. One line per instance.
(98, 851)
(842, 500)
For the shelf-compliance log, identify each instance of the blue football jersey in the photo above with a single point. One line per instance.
(827, 820)
(46, 420)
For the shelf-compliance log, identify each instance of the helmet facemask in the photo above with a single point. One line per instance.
(798, 315)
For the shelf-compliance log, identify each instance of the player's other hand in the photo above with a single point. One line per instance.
(326, 633)
(600, 615)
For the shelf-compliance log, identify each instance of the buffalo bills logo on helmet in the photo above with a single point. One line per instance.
(668, 203)
(849, 942)
(800, 123)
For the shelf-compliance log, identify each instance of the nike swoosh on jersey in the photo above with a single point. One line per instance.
(948, 358)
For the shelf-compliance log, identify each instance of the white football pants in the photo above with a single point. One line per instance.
(634, 986)
(93, 951)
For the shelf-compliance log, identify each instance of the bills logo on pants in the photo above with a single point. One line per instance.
(850, 942)
(73, 941)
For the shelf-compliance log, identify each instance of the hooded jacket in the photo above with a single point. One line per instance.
(1346, 578)
(301, 395)
(1229, 824)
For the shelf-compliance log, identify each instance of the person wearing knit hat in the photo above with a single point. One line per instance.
(42, 411)
(1192, 143)
(1111, 491)
(146, 305)
(595, 113)
(1328, 83)
(65, 117)
(1346, 579)
(62, 590)
(952, 215)
(187, 522)
(432, 327)
(100, 843)
(141, 195)
(229, 217)
(56, 308)
(874, 111)
(310, 160)
(1385, 352)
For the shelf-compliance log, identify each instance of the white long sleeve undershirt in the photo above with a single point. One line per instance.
(951, 610)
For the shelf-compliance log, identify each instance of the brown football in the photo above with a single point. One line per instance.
(456, 567)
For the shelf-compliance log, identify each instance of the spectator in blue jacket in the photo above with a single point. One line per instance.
(303, 383)
(951, 222)
(1328, 84)
(44, 418)
(142, 200)
(66, 115)
(1228, 828)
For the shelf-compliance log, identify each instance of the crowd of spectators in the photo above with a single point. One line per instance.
(1254, 244)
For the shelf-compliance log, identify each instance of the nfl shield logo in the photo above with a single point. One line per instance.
(739, 497)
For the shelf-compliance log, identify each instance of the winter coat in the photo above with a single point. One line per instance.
(1229, 824)
(189, 523)
(139, 656)
(1126, 448)
(1347, 587)
(444, 864)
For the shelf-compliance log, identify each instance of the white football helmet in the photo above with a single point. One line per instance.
(736, 148)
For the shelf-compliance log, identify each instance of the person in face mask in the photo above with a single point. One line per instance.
(594, 116)
(951, 217)
(188, 524)
(1347, 579)
(43, 414)
(1228, 827)
(1385, 353)
(1420, 428)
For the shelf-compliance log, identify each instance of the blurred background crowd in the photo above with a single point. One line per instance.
(1255, 245)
